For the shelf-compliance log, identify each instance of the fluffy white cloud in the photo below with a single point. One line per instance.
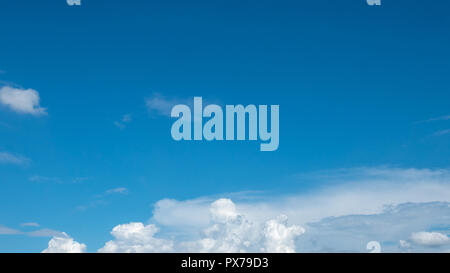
(229, 232)
(431, 239)
(279, 238)
(8, 158)
(136, 238)
(64, 244)
(25, 101)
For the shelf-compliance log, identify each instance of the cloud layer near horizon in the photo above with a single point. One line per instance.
(405, 210)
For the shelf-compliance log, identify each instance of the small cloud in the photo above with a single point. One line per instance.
(30, 224)
(442, 133)
(122, 123)
(23, 101)
(8, 158)
(121, 190)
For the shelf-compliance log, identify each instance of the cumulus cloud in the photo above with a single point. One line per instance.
(63, 243)
(24, 101)
(8, 158)
(136, 238)
(229, 231)
(431, 239)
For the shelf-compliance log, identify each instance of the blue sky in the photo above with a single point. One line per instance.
(359, 87)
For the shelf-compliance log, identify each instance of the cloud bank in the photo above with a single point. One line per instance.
(404, 210)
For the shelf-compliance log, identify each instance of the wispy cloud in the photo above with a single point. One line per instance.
(8, 231)
(435, 119)
(101, 199)
(45, 232)
(122, 123)
(30, 224)
(8, 158)
(161, 105)
(23, 101)
(47, 179)
(121, 190)
(441, 133)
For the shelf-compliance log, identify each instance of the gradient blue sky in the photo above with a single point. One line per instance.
(353, 83)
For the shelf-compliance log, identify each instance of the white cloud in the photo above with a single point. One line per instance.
(279, 237)
(8, 158)
(136, 238)
(64, 244)
(231, 231)
(431, 239)
(24, 101)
